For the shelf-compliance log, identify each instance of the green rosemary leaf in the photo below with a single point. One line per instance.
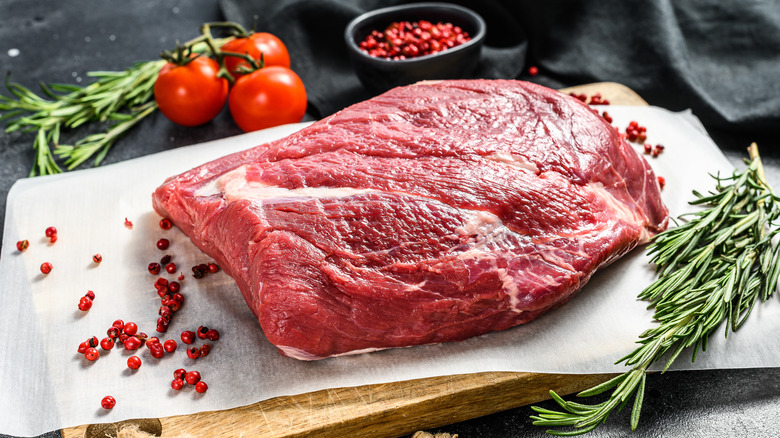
(598, 389)
(674, 355)
(555, 422)
(43, 163)
(581, 409)
(63, 88)
(541, 410)
(572, 432)
(10, 114)
(121, 117)
(774, 275)
(753, 291)
(557, 398)
(636, 410)
(21, 92)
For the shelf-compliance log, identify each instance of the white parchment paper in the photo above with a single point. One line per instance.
(46, 385)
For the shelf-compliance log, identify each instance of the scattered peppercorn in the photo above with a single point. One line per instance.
(172, 304)
(154, 268)
(97, 258)
(192, 377)
(156, 350)
(131, 343)
(46, 267)
(165, 223)
(108, 402)
(212, 335)
(163, 244)
(85, 304)
(161, 283)
(112, 332)
(165, 312)
(170, 345)
(134, 362)
(634, 131)
(177, 384)
(130, 328)
(22, 245)
(201, 387)
(92, 354)
(533, 70)
(193, 352)
(188, 337)
(128, 223)
(596, 99)
(179, 373)
(162, 325)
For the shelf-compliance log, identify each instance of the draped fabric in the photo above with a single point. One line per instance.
(719, 58)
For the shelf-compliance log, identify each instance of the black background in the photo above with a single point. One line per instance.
(721, 59)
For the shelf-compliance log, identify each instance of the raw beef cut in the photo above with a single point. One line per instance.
(431, 213)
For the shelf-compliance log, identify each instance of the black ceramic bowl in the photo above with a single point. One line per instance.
(381, 74)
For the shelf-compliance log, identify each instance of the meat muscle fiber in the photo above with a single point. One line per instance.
(431, 213)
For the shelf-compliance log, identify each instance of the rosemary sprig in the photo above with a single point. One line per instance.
(119, 99)
(712, 269)
(70, 106)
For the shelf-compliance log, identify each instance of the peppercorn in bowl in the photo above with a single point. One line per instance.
(404, 44)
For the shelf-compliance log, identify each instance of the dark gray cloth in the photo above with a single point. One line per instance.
(721, 59)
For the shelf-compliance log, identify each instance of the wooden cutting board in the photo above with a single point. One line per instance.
(383, 410)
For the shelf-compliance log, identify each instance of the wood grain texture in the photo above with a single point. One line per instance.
(390, 409)
(384, 410)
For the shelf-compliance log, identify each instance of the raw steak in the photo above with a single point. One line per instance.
(431, 213)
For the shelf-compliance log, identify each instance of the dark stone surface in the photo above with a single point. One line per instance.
(60, 41)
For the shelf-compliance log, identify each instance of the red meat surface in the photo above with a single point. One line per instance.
(431, 213)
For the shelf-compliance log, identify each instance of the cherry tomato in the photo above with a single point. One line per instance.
(267, 97)
(191, 94)
(273, 49)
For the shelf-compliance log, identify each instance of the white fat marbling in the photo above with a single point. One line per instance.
(233, 186)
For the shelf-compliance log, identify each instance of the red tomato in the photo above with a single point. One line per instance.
(273, 49)
(191, 94)
(267, 97)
